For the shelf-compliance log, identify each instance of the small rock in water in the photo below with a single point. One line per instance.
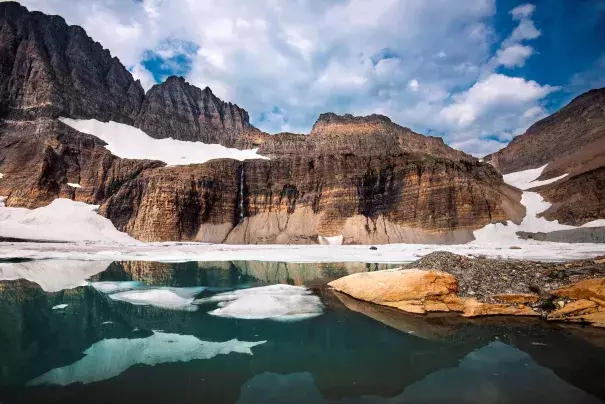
(373, 248)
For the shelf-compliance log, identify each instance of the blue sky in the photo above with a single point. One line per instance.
(476, 72)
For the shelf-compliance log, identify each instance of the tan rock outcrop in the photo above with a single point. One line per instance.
(419, 291)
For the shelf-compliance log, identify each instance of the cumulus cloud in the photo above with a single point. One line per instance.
(287, 62)
(514, 55)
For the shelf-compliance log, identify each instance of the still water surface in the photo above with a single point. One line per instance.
(132, 334)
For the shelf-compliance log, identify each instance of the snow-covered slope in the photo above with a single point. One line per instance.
(534, 204)
(62, 220)
(131, 143)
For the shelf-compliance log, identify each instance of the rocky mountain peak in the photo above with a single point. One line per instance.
(333, 124)
(183, 111)
(51, 69)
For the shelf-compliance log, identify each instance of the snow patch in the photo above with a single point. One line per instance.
(332, 240)
(499, 233)
(276, 302)
(62, 220)
(1, 176)
(52, 275)
(60, 306)
(128, 142)
(595, 223)
(74, 185)
(527, 179)
(110, 357)
(3, 201)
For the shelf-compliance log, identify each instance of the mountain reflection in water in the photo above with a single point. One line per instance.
(102, 349)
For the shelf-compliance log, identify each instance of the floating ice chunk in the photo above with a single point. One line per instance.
(128, 142)
(276, 302)
(106, 322)
(60, 306)
(74, 185)
(162, 297)
(110, 357)
(116, 286)
(52, 275)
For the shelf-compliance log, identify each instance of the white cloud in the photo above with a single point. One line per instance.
(413, 85)
(514, 55)
(523, 11)
(140, 73)
(497, 90)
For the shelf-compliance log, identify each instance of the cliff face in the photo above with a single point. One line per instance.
(383, 199)
(39, 159)
(195, 115)
(363, 178)
(50, 69)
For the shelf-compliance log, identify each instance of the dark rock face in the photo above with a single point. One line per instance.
(50, 69)
(179, 110)
(578, 199)
(573, 127)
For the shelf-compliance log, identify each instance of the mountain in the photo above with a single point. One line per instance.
(571, 144)
(356, 179)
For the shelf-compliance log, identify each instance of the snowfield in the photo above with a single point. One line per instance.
(128, 142)
(62, 220)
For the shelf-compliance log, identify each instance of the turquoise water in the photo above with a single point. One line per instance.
(99, 349)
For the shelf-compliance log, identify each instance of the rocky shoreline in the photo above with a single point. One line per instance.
(572, 291)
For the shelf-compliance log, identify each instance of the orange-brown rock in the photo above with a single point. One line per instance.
(517, 298)
(474, 308)
(573, 308)
(397, 286)
(586, 289)
(418, 291)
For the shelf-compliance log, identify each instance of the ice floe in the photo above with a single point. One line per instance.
(52, 275)
(128, 142)
(62, 220)
(60, 306)
(161, 297)
(276, 302)
(110, 357)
